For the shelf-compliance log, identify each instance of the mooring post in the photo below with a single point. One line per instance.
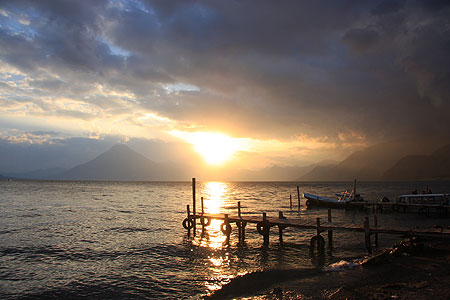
(239, 224)
(367, 235)
(330, 232)
(193, 203)
(203, 209)
(298, 196)
(226, 229)
(318, 235)
(290, 201)
(266, 231)
(227, 222)
(280, 227)
(188, 217)
(375, 222)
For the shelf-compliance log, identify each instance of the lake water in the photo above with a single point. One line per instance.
(125, 240)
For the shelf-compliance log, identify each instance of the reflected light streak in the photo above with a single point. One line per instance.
(213, 195)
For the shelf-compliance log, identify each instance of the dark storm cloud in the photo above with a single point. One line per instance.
(319, 67)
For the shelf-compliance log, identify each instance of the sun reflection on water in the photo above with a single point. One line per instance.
(214, 196)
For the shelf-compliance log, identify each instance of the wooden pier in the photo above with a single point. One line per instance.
(264, 223)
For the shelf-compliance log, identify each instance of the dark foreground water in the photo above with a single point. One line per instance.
(124, 240)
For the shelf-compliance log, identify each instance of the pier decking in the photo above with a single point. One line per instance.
(264, 223)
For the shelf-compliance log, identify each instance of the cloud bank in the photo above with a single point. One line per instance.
(348, 73)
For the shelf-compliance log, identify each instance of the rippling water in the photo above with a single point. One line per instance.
(125, 240)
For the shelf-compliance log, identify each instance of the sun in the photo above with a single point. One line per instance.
(215, 148)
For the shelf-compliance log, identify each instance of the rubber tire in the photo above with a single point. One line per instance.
(225, 228)
(313, 243)
(188, 223)
(202, 221)
(262, 228)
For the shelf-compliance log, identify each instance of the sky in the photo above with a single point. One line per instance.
(256, 83)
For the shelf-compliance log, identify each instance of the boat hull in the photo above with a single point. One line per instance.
(319, 201)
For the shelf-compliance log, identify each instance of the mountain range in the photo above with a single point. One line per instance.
(121, 163)
(398, 160)
(388, 161)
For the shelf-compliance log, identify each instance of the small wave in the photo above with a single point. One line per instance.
(29, 216)
(130, 229)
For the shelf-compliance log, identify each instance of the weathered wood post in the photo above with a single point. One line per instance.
(330, 232)
(290, 201)
(367, 235)
(193, 203)
(280, 227)
(203, 208)
(239, 224)
(265, 230)
(202, 221)
(298, 196)
(226, 229)
(318, 235)
(239, 209)
(188, 218)
(375, 220)
(227, 222)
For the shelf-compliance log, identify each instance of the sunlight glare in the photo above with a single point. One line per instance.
(215, 148)
(214, 196)
(213, 193)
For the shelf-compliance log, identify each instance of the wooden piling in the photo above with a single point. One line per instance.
(239, 224)
(193, 202)
(280, 227)
(239, 209)
(375, 222)
(298, 196)
(227, 233)
(367, 235)
(203, 209)
(318, 235)
(266, 232)
(188, 217)
(290, 201)
(330, 232)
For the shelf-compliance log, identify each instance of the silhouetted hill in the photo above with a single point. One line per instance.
(370, 163)
(421, 167)
(118, 163)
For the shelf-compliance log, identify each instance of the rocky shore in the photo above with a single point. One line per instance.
(413, 269)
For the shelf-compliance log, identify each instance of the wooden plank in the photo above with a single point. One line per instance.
(340, 226)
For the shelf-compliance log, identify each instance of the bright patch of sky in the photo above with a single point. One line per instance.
(17, 23)
(115, 50)
(181, 87)
(118, 51)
